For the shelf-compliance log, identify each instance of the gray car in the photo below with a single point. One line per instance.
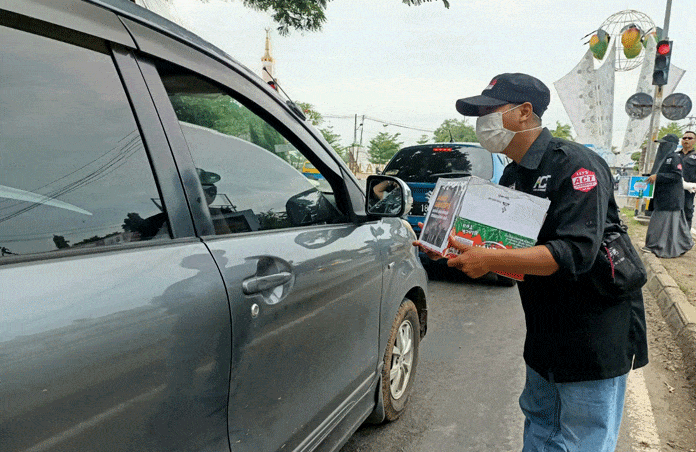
(169, 280)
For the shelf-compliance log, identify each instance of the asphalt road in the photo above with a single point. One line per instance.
(470, 376)
(468, 379)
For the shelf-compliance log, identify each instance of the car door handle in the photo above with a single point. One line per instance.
(258, 284)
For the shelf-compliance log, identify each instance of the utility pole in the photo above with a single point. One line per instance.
(657, 105)
(690, 125)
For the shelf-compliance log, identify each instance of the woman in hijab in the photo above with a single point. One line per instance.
(668, 232)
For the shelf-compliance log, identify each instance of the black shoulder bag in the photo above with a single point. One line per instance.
(618, 269)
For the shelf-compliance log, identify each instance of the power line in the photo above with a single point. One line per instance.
(399, 125)
(380, 121)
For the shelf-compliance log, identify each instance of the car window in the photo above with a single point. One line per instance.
(250, 172)
(427, 163)
(73, 168)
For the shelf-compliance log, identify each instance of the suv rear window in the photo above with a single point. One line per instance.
(427, 163)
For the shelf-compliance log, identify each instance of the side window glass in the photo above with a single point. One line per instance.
(73, 169)
(253, 177)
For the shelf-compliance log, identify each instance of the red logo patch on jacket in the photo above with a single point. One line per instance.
(679, 166)
(584, 180)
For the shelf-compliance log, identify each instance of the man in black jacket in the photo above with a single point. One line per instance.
(688, 155)
(580, 344)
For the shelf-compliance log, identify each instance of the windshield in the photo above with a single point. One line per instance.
(429, 162)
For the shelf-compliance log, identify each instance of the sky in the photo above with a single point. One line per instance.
(407, 65)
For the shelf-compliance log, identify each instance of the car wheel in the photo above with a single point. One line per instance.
(400, 360)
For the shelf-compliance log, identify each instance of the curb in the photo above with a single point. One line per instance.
(679, 314)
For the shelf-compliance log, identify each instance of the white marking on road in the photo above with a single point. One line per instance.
(643, 430)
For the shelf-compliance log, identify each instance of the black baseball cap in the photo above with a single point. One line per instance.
(669, 138)
(508, 89)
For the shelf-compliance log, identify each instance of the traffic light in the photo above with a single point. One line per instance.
(661, 70)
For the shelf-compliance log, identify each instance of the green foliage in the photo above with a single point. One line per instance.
(672, 128)
(334, 140)
(225, 115)
(423, 139)
(383, 147)
(636, 156)
(312, 115)
(302, 15)
(456, 130)
(562, 131)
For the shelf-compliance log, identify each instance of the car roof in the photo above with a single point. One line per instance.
(127, 8)
(444, 144)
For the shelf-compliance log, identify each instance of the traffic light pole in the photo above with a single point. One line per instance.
(657, 106)
(654, 129)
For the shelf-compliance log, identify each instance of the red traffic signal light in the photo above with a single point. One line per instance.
(661, 69)
(664, 47)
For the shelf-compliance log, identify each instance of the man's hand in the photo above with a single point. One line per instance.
(651, 179)
(472, 260)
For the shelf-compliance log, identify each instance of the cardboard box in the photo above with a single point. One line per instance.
(481, 213)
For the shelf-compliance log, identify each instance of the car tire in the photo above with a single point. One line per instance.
(400, 360)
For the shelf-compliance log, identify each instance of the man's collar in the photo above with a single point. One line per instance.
(532, 157)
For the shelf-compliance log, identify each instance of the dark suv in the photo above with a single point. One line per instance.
(420, 167)
(169, 281)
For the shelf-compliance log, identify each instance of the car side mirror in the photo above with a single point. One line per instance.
(387, 196)
(309, 207)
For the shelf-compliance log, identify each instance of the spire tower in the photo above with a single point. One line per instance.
(267, 60)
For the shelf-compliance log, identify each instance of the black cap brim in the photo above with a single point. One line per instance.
(471, 106)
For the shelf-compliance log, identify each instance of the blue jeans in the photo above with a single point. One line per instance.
(572, 417)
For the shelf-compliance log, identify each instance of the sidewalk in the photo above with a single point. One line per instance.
(678, 311)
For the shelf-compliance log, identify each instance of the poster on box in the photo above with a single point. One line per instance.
(487, 215)
(494, 216)
(443, 206)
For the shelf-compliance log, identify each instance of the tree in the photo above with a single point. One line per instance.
(301, 15)
(455, 130)
(310, 113)
(672, 128)
(383, 147)
(333, 139)
(219, 112)
(423, 139)
(562, 131)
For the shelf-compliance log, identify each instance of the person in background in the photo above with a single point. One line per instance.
(689, 173)
(668, 233)
(580, 344)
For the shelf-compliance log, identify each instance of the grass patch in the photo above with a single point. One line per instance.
(630, 215)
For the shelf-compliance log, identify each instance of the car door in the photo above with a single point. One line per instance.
(115, 326)
(304, 282)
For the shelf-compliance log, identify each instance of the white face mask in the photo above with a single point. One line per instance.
(491, 133)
